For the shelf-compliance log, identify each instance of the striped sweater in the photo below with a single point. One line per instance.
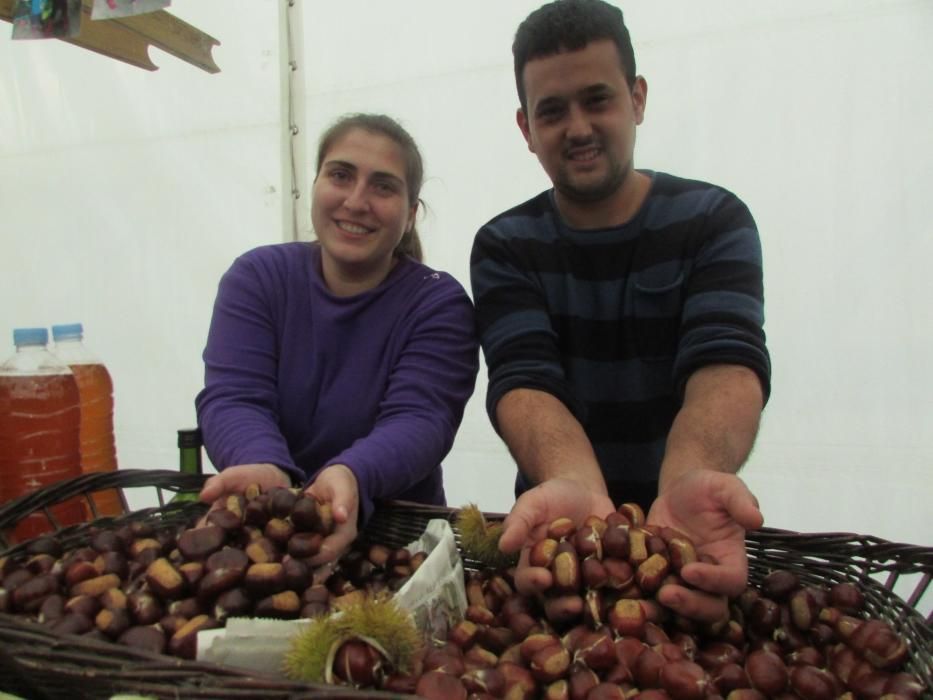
(613, 321)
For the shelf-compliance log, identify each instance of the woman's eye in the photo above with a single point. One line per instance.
(339, 175)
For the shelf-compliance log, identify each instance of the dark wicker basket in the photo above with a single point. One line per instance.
(35, 663)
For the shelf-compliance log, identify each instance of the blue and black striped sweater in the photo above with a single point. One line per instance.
(613, 321)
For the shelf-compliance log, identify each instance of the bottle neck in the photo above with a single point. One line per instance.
(189, 451)
(35, 359)
(189, 460)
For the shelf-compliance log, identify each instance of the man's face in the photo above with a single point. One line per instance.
(581, 118)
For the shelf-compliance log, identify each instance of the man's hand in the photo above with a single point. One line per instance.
(236, 479)
(534, 511)
(714, 509)
(337, 485)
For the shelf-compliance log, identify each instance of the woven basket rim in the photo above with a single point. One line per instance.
(848, 556)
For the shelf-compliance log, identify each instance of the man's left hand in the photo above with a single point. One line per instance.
(714, 509)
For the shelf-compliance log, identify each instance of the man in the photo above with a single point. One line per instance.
(620, 315)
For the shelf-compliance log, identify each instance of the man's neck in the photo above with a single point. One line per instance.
(615, 210)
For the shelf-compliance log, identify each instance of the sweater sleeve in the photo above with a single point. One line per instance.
(424, 399)
(238, 407)
(518, 339)
(723, 316)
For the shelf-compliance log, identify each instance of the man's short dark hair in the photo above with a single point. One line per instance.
(569, 25)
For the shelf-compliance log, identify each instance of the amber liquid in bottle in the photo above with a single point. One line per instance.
(39, 444)
(98, 451)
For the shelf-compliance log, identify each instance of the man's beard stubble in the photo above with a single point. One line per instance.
(596, 191)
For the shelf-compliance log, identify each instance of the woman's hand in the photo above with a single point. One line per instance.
(714, 509)
(236, 479)
(337, 486)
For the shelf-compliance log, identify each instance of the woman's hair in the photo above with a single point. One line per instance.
(414, 167)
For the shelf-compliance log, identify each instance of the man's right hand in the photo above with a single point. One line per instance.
(534, 511)
(236, 479)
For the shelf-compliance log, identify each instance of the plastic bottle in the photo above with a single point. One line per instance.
(39, 424)
(189, 459)
(95, 391)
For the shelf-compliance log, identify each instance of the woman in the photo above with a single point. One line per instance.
(342, 365)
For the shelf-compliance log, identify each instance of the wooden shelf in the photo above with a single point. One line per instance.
(128, 39)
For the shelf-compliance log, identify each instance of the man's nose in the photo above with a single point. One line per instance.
(578, 123)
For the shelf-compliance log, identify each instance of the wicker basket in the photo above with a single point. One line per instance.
(35, 663)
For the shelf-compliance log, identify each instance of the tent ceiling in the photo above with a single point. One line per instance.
(128, 39)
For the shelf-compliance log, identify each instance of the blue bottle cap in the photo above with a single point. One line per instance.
(30, 336)
(67, 331)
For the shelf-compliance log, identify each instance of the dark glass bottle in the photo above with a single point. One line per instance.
(189, 459)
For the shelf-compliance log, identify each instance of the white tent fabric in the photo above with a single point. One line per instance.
(124, 195)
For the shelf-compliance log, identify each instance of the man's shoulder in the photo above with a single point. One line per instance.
(666, 185)
(519, 216)
(674, 199)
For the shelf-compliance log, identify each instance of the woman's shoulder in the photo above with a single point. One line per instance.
(430, 281)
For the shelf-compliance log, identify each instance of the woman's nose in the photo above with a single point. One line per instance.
(356, 199)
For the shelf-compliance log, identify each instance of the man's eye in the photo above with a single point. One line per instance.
(549, 113)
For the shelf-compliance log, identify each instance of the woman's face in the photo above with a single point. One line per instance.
(359, 207)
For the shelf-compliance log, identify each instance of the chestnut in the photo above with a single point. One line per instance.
(608, 691)
(236, 603)
(846, 597)
(627, 618)
(812, 683)
(558, 690)
(183, 642)
(634, 513)
(435, 685)
(581, 682)
(684, 680)
(563, 609)
(543, 552)
(477, 657)
(164, 579)
(281, 502)
(484, 680)
(201, 542)
(112, 622)
(284, 605)
(307, 544)
(651, 572)
(550, 663)
(29, 595)
(598, 651)
(766, 671)
(72, 623)
(225, 519)
(566, 571)
(779, 584)
(144, 637)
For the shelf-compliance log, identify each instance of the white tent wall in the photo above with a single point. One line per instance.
(124, 195)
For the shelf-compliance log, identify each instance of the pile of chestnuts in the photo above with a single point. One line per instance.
(155, 589)
(597, 633)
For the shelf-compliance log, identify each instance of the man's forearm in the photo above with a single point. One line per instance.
(717, 424)
(546, 440)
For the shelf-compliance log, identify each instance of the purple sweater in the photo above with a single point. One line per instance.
(303, 379)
